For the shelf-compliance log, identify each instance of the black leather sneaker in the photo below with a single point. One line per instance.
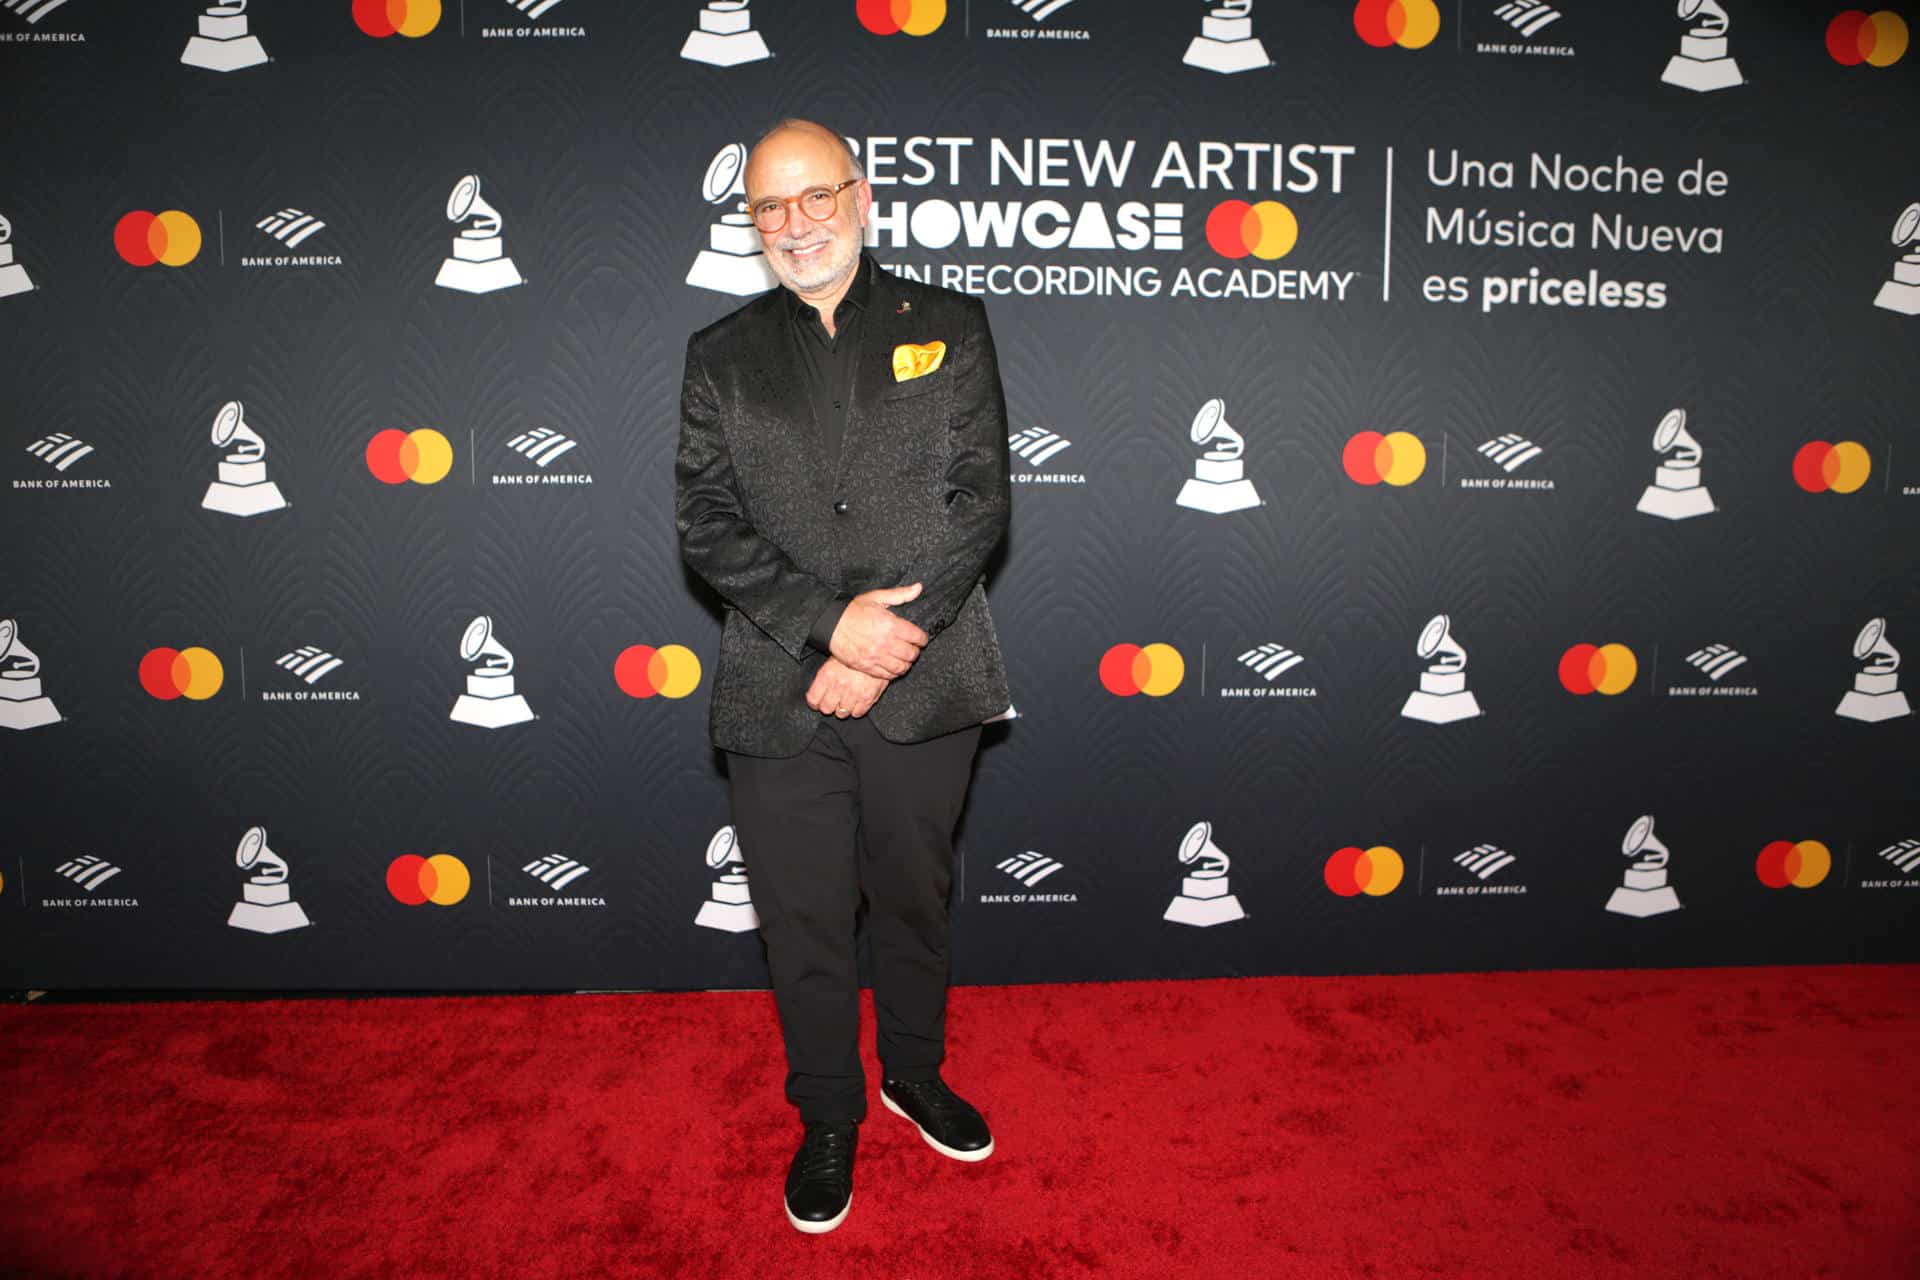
(820, 1179)
(947, 1121)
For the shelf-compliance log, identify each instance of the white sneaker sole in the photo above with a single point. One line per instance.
(817, 1228)
(941, 1147)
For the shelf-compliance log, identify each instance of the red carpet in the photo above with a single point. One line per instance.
(1730, 1122)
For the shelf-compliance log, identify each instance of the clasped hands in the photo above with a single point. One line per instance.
(871, 646)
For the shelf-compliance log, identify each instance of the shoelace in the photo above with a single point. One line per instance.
(826, 1155)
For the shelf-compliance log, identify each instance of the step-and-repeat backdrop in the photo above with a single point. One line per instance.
(1465, 479)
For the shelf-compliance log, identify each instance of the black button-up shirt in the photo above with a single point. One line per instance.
(827, 366)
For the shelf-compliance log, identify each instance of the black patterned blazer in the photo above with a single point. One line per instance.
(920, 495)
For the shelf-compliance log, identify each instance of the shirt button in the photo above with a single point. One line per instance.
(840, 508)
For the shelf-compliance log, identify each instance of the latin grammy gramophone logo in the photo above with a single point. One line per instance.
(223, 43)
(266, 901)
(1876, 694)
(733, 261)
(1204, 899)
(478, 261)
(1226, 42)
(490, 701)
(13, 277)
(1703, 63)
(1645, 891)
(1443, 696)
(725, 36)
(730, 909)
(1900, 293)
(1219, 482)
(1676, 492)
(23, 703)
(241, 488)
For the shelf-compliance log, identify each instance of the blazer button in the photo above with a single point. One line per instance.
(840, 507)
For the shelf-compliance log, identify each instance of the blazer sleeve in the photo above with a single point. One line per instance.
(719, 542)
(979, 495)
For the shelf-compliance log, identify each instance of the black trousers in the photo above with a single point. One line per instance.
(853, 815)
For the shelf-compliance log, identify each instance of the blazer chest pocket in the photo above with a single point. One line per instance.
(925, 384)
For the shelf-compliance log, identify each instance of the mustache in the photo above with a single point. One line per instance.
(791, 242)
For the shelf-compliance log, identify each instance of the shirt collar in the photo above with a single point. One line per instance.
(855, 296)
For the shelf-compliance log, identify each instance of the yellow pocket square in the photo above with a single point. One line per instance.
(917, 359)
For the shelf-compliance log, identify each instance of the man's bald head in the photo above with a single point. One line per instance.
(793, 129)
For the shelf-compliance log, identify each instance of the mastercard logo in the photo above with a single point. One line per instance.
(672, 671)
(1375, 872)
(890, 17)
(1602, 668)
(1879, 39)
(1802, 865)
(423, 456)
(1153, 669)
(442, 879)
(193, 673)
(1411, 24)
(1266, 230)
(171, 239)
(1843, 467)
(383, 18)
(1397, 458)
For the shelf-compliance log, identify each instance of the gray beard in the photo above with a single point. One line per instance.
(839, 262)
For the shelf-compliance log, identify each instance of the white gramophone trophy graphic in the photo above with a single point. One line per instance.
(733, 261)
(266, 902)
(731, 907)
(1204, 897)
(1646, 891)
(23, 704)
(725, 36)
(490, 701)
(1676, 492)
(13, 276)
(1219, 482)
(222, 42)
(241, 488)
(1443, 696)
(1703, 63)
(1876, 686)
(1226, 42)
(1901, 293)
(478, 262)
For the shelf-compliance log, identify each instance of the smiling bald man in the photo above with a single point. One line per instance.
(840, 483)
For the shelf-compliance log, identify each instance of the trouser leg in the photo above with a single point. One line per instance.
(910, 796)
(796, 819)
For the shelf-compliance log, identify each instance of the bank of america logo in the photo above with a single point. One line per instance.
(59, 450)
(1511, 452)
(88, 871)
(33, 10)
(1904, 855)
(1037, 444)
(542, 444)
(1271, 660)
(1040, 10)
(290, 227)
(1485, 859)
(1029, 868)
(309, 662)
(533, 8)
(1716, 661)
(1528, 17)
(556, 870)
